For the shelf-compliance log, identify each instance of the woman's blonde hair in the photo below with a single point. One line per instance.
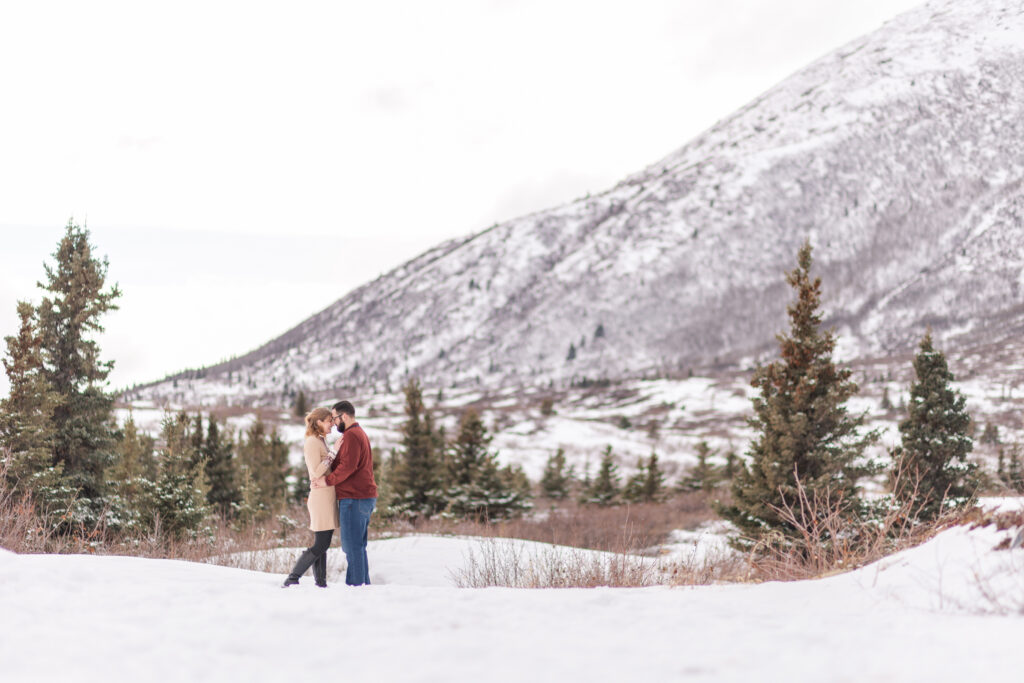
(315, 416)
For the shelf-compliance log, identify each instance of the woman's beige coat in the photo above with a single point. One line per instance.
(322, 503)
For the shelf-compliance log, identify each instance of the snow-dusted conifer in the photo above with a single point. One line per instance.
(27, 430)
(418, 476)
(703, 476)
(554, 483)
(222, 469)
(478, 487)
(605, 488)
(654, 481)
(802, 428)
(930, 471)
(178, 497)
(633, 491)
(68, 319)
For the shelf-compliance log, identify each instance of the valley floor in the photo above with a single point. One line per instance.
(928, 614)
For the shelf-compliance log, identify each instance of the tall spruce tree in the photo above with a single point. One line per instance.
(930, 470)
(27, 431)
(69, 315)
(802, 428)
(418, 474)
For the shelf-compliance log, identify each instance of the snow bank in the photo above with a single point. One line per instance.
(915, 616)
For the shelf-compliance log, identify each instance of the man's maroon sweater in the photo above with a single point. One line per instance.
(352, 472)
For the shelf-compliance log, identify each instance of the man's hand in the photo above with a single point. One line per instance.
(318, 483)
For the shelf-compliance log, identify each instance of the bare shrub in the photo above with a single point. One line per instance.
(625, 540)
(25, 527)
(830, 539)
(506, 562)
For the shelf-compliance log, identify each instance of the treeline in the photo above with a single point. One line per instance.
(430, 474)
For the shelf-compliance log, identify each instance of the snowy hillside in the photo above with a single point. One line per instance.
(921, 615)
(900, 155)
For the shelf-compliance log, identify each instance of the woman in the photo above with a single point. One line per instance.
(322, 503)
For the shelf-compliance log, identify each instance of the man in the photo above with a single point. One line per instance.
(352, 479)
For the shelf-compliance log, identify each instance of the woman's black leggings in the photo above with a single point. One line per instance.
(316, 553)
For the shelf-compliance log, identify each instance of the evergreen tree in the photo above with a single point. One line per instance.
(729, 471)
(1014, 472)
(703, 476)
(248, 509)
(803, 430)
(278, 471)
(27, 431)
(177, 500)
(554, 483)
(990, 435)
(221, 469)
(930, 469)
(604, 490)
(515, 479)
(131, 481)
(196, 435)
(301, 406)
(418, 486)
(478, 487)
(266, 457)
(633, 491)
(469, 451)
(68, 319)
(654, 481)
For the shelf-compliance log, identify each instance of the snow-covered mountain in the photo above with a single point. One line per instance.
(900, 156)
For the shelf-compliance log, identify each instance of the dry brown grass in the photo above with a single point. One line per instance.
(829, 540)
(625, 528)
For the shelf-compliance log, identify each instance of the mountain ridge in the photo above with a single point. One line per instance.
(900, 155)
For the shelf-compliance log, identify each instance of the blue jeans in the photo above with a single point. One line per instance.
(354, 520)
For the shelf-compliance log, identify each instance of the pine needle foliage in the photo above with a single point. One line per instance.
(418, 468)
(27, 431)
(803, 431)
(930, 469)
(605, 488)
(555, 481)
(75, 299)
(703, 476)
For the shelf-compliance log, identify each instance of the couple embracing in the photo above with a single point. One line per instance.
(342, 494)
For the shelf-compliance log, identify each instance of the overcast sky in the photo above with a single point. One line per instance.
(245, 164)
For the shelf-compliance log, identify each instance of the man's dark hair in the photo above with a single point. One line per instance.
(344, 407)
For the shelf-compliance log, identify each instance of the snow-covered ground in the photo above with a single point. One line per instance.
(926, 614)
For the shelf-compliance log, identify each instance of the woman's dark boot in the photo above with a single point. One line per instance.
(320, 571)
(305, 559)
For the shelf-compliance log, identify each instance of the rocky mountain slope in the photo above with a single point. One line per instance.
(900, 156)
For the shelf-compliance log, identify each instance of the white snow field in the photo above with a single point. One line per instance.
(921, 615)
